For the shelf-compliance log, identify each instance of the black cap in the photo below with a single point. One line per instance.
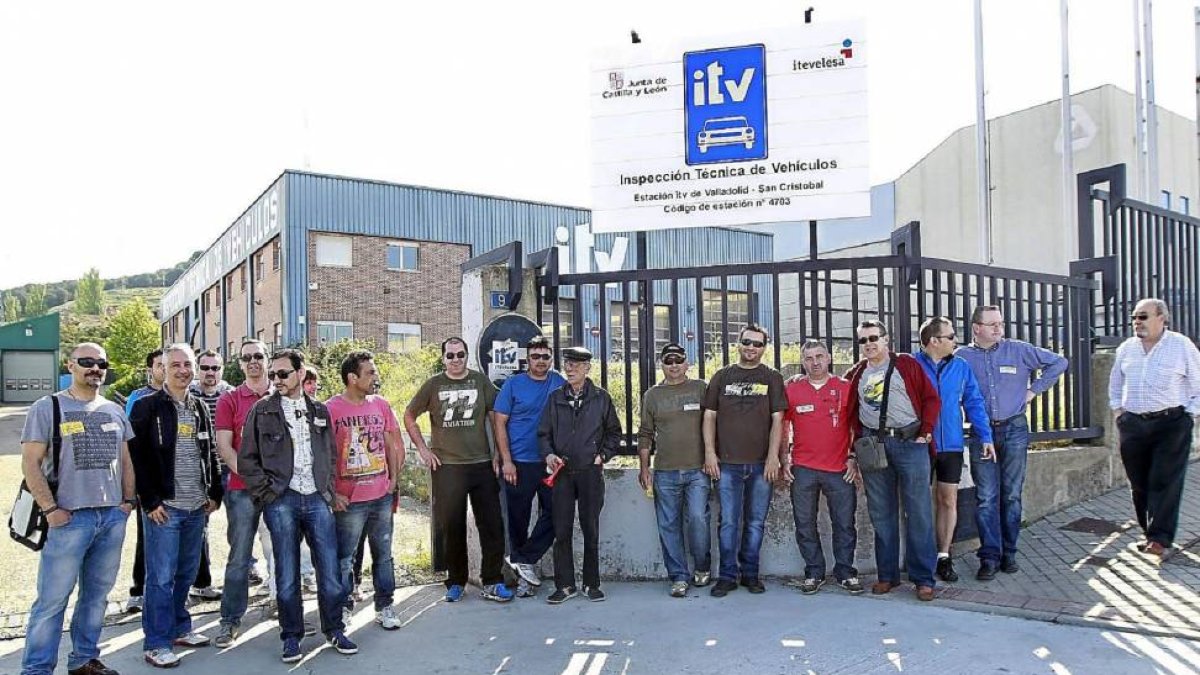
(577, 354)
(672, 348)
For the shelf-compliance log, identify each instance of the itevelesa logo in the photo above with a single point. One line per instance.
(725, 105)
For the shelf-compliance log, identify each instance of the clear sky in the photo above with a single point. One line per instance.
(132, 133)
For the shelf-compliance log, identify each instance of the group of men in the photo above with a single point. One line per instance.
(326, 473)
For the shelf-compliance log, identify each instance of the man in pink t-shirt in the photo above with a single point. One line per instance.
(368, 459)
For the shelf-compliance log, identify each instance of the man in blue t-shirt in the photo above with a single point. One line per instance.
(518, 411)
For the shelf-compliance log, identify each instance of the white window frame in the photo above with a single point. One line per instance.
(323, 251)
(402, 245)
(405, 330)
(335, 325)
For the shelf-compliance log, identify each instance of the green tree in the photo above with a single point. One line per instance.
(12, 307)
(35, 300)
(132, 333)
(89, 294)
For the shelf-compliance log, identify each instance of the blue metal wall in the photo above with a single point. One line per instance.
(314, 202)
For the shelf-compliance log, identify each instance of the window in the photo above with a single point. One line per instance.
(1185, 205)
(662, 328)
(275, 256)
(228, 289)
(262, 335)
(739, 315)
(566, 314)
(403, 337)
(242, 278)
(1166, 199)
(216, 292)
(278, 334)
(403, 257)
(334, 251)
(232, 352)
(262, 267)
(332, 331)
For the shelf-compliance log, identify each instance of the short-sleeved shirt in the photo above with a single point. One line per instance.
(232, 409)
(190, 493)
(870, 393)
(672, 418)
(89, 466)
(361, 454)
(744, 399)
(523, 398)
(458, 414)
(820, 430)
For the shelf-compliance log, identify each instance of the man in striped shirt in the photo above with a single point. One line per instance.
(208, 388)
(1154, 390)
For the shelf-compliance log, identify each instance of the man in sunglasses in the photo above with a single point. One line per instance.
(671, 424)
(87, 498)
(959, 391)
(1154, 392)
(1011, 373)
(460, 402)
(286, 462)
(743, 422)
(178, 485)
(519, 407)
(155, 374)
(907, 432)
(209, 388)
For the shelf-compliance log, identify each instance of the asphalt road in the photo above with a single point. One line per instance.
(12, 419)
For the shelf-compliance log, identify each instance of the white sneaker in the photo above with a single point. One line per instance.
(525, 571)
(387, 618)
(162, 657)
(192, 640)
(133, 604)
(206, 593)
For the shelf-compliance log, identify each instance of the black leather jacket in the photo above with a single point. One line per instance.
(266, 458)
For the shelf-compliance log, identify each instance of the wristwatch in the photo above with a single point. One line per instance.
(132, 502)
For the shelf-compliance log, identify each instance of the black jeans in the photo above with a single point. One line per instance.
(1155, 454)
(203, 575)
(585, 486)
(523, 546)
(453, 485)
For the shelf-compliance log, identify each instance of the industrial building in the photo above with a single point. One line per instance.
(29, 359)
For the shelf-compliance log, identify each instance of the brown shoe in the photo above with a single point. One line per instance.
(93, 667)
(924, 593)
(1154, 548)
(883, 587)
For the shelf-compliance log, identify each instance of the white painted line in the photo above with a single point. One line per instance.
(598, 663)
(500, 667)
(792, 643)
(894, 658)
(710, 643)
(576, 664)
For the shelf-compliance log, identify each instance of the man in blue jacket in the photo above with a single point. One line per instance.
(959, 390)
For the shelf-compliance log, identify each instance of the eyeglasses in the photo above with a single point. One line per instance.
(1144, 316)
(994, 324)
(949, 337)
(747, 342)
(539, 357)
(208, 368)
(869, 338)
(279, 374)
(89, 362)
(673, 360)
(247, 358)
(450, 356)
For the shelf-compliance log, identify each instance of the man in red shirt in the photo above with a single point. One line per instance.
(821, 462)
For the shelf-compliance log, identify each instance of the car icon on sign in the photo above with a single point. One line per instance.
(725, 131)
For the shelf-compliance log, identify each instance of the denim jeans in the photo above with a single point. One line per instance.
(87, 549)
(998, 488)
(243, 516)
(841, 499)
(681, 504)
(172, 558)
(745, 498)
(524, 546)
(375, 518)
(290, 517)
(904, 483)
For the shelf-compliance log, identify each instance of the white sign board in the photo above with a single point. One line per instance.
(741, 129)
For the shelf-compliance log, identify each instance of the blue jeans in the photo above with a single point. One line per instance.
(87, 549)
(905, 482)
(523, 546)
(998, 487)
(675, 491)
(376, 518)
(289, 517)
(172, 558)
(744, 495)
(841, 499)
(243, 516)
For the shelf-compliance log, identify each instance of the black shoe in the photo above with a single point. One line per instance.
(561, 595)
(722, 588)
(1009, 566)
(593, 593)
(945, 570)
(987, 571)
(754, 585)
(93, 667)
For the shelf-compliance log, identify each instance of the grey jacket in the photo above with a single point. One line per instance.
(266, 458)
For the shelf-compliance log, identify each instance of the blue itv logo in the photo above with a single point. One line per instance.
(725, 105)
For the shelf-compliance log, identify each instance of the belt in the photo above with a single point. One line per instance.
(1159, 413)
(893, 432)
(1000, 423)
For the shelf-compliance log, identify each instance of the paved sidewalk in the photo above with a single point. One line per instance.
(1095, 577)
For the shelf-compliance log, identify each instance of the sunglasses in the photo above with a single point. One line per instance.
(1140, 317)
(455, 355)
(279, 374)
(208, 368)
(539, 357)
(247, 358)
(869, 338)
(673, 360)
(747, 342)
(89, 362)
(949, 337)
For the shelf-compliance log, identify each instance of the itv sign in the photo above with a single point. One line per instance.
(725, 105)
